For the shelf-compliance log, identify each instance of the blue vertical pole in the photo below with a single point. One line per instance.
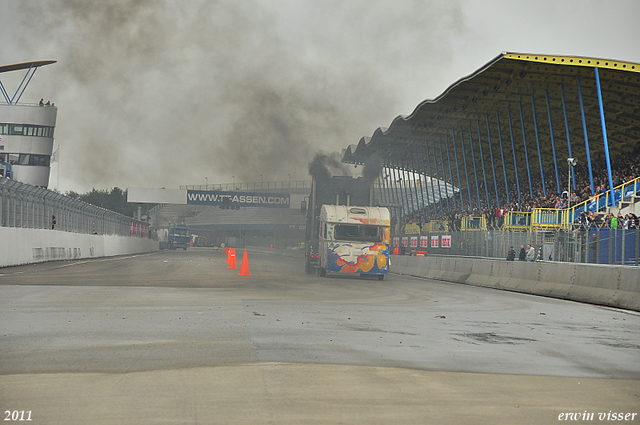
(411, 208)
(385, 184)
(535, 126)
(455, 155)
(566, 127)
(586, 139)
(389, 179)
(435, 164)
(604, 135)
(433, 190)
(493, 166)
(484, 174)
(504, 169)
(466, 170)
(424, 173)
(475, 170)
(513, 149)
(444, 176)
(392, 184)
(553, 143)
(403, 187)
(407, 189)
(396, 183)
(453, 196)
(423, 210)
(526, 154)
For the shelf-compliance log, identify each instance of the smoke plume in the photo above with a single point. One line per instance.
(324, 166)
(161, 93)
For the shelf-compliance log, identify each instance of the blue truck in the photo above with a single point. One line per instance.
(174, 237)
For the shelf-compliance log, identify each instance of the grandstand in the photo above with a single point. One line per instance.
(530, 144)
(503, 135)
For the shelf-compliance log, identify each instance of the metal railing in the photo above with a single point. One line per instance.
(26, 206)
(602, 201)
(262, 185)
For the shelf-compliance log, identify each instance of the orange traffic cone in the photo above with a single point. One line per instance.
(232, 259)
(244, 268)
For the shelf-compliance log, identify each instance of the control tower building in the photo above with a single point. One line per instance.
(26, 131)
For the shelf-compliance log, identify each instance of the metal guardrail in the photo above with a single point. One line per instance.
(26, 206)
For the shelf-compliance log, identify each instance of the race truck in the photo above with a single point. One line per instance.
(344, 233)
(174, 237)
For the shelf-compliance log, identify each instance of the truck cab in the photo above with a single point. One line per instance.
(354, 239)
(174, 237)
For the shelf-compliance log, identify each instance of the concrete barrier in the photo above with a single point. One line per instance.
(615, 286)
(24, 246)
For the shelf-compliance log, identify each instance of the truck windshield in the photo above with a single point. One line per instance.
(355, 232)
(180, 231)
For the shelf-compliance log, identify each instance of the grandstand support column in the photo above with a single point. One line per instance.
(435, 164)
(475, 170)
(466, 170)
(394, 185)
(566, 126)
(553, 143)
(397, 194)
(526, 152)
(407, 167)
(586, 138)
(484, 173)
(455, 155)
(453, 195)
(604, 135)
(424, 173)
(402, 187)
(396, 179)
(493, 166)
(444, 176)
(384, 177)
(513, 149)
(504, 169)
(535, 127)
(422, 210)
(433, 190)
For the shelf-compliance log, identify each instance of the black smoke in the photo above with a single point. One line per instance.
(324, 166)
(372, 167)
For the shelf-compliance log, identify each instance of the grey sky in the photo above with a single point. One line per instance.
(166, 93)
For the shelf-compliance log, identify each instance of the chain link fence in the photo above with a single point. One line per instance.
(580, 245)
(26, 206)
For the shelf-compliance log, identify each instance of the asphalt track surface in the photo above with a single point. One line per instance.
(177, 337)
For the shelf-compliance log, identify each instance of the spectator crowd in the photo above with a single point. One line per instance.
(624, 169)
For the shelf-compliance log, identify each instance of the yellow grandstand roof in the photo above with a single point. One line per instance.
(513, 82)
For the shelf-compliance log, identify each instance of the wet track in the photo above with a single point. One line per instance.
(156, 316)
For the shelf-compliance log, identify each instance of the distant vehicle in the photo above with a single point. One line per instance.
(345, 234)
(174, 237)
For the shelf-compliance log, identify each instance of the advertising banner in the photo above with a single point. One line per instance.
(238, 199)
(446, 241)
(424, 241)
(434, 241)
(414, 241)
